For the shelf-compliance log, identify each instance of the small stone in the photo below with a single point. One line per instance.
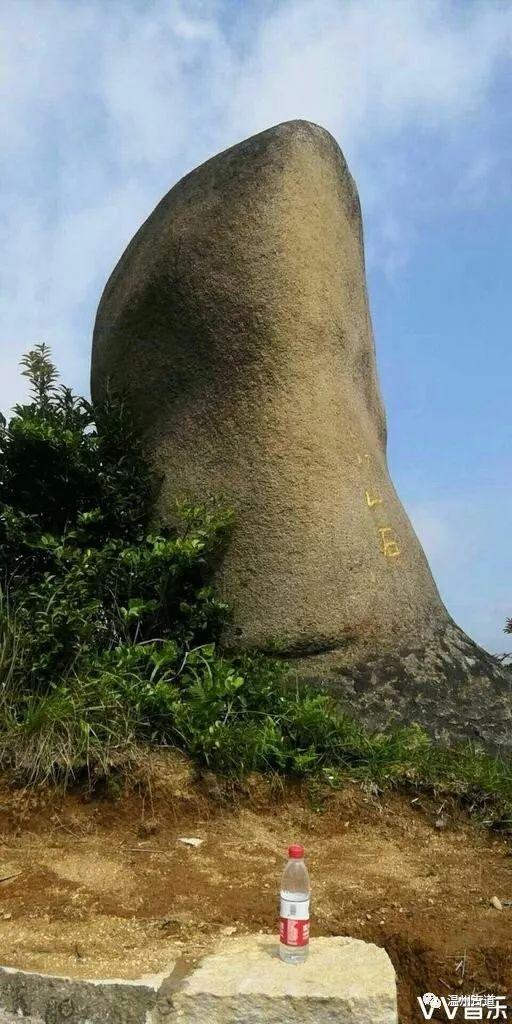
(230, 929)
(190, 841)
(496, 903)
(441, 823)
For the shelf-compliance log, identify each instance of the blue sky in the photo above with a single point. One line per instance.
(104, 105)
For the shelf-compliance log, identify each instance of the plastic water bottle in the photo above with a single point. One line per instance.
(294, 925)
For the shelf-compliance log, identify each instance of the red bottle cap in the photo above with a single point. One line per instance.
(296, 851)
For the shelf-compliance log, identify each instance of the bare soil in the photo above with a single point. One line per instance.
(102, 886)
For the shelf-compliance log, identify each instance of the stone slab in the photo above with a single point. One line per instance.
(27, 996)
(344, 980)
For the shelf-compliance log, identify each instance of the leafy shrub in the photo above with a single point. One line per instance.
(85, 585)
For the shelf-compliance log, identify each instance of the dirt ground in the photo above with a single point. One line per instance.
(103, 886)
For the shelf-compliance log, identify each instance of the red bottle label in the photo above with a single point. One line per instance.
(293, 932)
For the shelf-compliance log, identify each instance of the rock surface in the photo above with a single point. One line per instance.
(344, 979)
(237, 325)
(37, 998)
(237, 322)
(447, 684)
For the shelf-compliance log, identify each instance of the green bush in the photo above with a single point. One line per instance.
(90, 597)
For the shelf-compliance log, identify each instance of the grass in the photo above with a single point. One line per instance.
(233, 717)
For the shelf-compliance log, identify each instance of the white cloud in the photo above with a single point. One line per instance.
(370, 64)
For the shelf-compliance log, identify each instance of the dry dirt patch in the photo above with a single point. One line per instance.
(103, 887)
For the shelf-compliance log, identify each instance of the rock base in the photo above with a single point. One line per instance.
(448, 685)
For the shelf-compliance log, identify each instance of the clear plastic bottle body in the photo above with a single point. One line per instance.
(294, 929)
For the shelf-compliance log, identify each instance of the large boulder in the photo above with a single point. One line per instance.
(237, 325)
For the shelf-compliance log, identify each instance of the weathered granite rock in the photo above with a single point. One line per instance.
(344, 980)
(237, 324)
(446, 683)
(49, 999)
